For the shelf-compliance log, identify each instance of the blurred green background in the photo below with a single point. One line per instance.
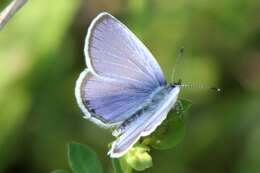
(41, 56)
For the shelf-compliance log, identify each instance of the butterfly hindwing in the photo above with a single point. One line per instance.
(105, 101)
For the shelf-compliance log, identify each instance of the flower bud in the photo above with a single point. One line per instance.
(138, 158)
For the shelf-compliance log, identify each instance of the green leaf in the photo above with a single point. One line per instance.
(82, 159)
(168, 135)
(116, 166)
(172, 130)
(60, 171)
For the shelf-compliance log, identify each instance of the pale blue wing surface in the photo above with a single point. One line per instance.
(123, 73)
(110, 101)
(113, 51)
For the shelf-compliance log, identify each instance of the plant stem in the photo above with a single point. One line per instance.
(10, 10)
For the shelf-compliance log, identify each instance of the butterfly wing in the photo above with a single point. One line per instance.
(122, 72)
(143, 125)
(107, 102)
(113, 51)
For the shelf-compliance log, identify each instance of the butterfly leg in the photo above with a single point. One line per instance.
(178, 106)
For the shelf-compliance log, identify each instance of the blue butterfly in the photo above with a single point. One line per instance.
(123, 87)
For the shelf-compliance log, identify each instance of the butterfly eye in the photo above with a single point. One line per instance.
(177, 83)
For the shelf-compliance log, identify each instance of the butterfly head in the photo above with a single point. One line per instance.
(178, 83)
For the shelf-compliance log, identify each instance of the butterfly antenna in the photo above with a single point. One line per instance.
(177, 60)
(200, 86)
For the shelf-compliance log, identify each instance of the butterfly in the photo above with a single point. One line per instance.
(123, 87)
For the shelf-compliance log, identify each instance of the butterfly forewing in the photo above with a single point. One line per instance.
(113, 51)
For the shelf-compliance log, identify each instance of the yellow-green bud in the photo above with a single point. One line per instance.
(138, 158)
